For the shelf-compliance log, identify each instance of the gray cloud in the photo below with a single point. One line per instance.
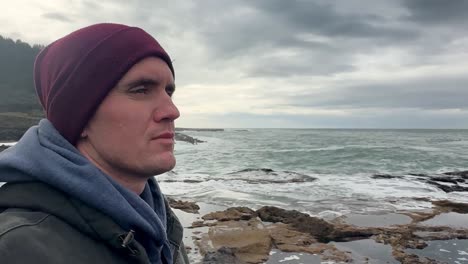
(431, 93)
(297, 44)
(437, 12)
(322, 18)
(57, 16)
(277, 24)
(307, 63)
(250, 31)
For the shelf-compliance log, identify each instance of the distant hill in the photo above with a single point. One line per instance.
(19, 106)
(16, 76)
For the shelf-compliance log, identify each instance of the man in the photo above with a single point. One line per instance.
(80, 186)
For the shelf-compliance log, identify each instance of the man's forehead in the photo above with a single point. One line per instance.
(151, 68)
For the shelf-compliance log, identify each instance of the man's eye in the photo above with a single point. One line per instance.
(139, 90)
(170, 92)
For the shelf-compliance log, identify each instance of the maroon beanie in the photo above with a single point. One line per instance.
(74, 74)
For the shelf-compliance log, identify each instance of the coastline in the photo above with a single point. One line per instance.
(242, 235)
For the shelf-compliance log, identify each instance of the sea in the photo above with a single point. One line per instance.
(323, 172)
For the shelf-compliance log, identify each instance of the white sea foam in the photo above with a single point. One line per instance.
(293, 257)
(343, 161)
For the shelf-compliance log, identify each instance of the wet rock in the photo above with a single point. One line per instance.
(447, 182)
(462, 174)
(192, 181)
(222, 255)
(266, 181)
(3, 147)
(186, 138)
(343, 233)
(447, 179)
(267, 176)
(300, 221)
(265, 170)
(406, 258)
(448, 188)
(249, 240)
(197, 224)
(299, 177)
(429, 233)
(189, 207)
(287, 239)
(418, 174)
(446, 206)
(385, 176)
(422, 199)
(275, 214)
(200, 129)
(231, 214)
(186, 181)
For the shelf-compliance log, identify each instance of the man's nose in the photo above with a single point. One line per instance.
(167, 110)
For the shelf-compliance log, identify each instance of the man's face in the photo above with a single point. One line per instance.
(132, 131)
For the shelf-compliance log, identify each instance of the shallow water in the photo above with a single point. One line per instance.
(446, 251)
(454, 220)
(367, 251)
(385, 220)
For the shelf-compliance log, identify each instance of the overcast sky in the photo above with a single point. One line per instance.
(294, 63)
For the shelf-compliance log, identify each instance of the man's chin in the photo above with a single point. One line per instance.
(164, 167)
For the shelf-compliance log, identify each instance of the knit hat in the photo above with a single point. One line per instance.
(75, 73)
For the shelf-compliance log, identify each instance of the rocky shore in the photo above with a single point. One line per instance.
(15, 135)
(3, 147)
(275, 235)
(14, 124)
(186, 138)
(456, 181)
(199, 129)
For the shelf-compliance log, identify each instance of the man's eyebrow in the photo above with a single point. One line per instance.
(142, 81)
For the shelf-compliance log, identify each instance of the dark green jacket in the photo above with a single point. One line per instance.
(39, 224)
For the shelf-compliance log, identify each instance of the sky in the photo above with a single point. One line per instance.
(289, 64)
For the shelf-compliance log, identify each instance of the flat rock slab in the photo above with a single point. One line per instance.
(188, 207)
(249, 240)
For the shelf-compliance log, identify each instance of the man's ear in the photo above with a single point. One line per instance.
(84, 133)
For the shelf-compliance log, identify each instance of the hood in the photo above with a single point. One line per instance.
(43, 155)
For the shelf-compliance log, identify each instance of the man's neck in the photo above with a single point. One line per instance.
(134, 183)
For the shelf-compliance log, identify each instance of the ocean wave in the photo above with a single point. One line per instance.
(266, 175)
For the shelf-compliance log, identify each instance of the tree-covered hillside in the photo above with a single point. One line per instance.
(19, 107)
(16, 76)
